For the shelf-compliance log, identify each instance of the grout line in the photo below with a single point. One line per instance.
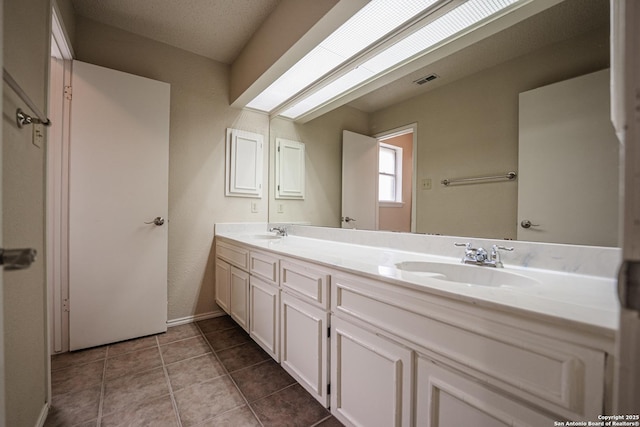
(322, 420)
(102, 387)
(229, 374)
(166, 377)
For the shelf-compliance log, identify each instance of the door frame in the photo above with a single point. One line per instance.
(625, 83)
(402, 130)
(2, 367)
(57, 216)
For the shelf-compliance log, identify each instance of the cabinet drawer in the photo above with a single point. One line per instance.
(233, 254)
(264, 266)
(562, 377)
(306, 281)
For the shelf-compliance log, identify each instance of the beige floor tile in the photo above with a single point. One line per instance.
(184, 349)
(121, 392)
(74, 408)
(76, 378)
(207, 400)
(216, 324)
(191, 371)
(132, 345)
(292, 406)
(177, 333)
(129, 363)
(226, 338)
(241, 356)
(157, 413)
(80, 357)
(234, 418)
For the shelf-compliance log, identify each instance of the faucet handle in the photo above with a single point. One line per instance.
(466, 245)
(502, 248)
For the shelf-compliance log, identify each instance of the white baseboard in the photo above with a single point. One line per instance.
(194, 318)
(43, 415)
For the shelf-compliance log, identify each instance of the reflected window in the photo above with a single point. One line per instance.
(390, 174)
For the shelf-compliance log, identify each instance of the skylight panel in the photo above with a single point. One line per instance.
(377, 19)
(429, 37)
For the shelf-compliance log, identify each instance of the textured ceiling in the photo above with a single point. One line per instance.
(217, 29)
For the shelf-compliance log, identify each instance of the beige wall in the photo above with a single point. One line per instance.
(470, 128)
(323, 146)
(26, 33)
(199, 117)
(399, 218)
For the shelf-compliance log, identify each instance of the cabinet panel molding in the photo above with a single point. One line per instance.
(244, 163)
(264, 266)
(304, 345)
(239, 297)
(564, 377)
(233, 254)
(307, 281)
(264, 319)
(370, 378)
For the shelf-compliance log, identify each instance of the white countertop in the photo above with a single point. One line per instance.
(590, 301)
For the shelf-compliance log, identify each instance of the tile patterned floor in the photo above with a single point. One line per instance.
(205, 374)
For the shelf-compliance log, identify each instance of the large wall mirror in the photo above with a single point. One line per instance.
(468, 124)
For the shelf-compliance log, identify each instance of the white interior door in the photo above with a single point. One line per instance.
(359, 181)
(568, 163)
(118, 183)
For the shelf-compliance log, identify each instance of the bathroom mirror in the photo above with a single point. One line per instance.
(467, 123)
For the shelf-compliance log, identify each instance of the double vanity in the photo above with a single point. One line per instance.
(388, 329)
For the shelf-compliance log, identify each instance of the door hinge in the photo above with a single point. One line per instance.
(65, 305)
(629, 285)
(328, 388)
(68, 92)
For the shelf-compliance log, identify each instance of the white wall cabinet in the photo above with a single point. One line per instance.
(244, 163)
(289, 169)
(264, 316)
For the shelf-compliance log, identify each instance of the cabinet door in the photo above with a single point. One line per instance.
(370, 377)
(239, 297)
(223, 278)
(304, 336)
(445, 398)
(264, 319)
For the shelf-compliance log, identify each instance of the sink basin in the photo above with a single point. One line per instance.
(266, 236)
(466, 274)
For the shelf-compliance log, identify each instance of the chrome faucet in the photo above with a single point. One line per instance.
(479, 256)
(280, 231)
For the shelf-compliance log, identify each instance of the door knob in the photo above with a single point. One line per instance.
(347, 219)
(527, 224)
(157, 221)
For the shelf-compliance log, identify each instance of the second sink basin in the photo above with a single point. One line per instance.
(466, 274)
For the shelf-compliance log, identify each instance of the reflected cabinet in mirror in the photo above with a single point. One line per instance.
(532, 99)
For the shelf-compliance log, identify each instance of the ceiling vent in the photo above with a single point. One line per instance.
(426, 79)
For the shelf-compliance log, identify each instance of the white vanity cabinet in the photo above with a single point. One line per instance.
(304, 330)
(264, 302)
(465, 364)
(371, 377)
(232, 281)
(382, 352)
